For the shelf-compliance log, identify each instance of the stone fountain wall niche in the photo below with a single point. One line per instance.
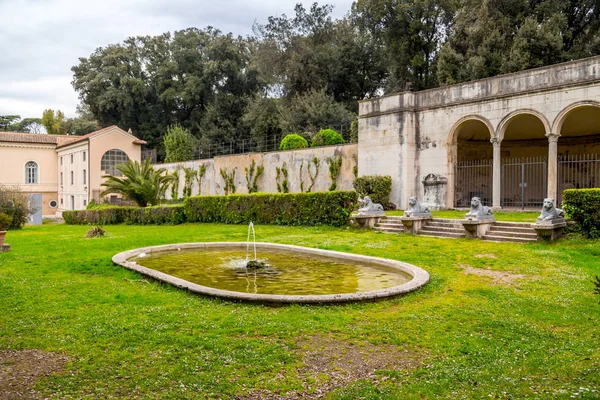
(435, 188)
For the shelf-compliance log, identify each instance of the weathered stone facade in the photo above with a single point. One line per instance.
(541, 112)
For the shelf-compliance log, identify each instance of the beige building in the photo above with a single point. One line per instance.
(65, 170)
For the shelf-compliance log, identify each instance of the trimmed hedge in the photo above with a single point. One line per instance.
(327, 137)
(376, 187)
(293, 141)
(159, 215)
(327, 208)
(583, 207)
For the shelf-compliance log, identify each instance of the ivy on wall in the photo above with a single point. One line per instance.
(335, 167)
(228, 180)
(282, 179)
(252, 174)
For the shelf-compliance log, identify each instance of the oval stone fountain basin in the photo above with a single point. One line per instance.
(294, 274)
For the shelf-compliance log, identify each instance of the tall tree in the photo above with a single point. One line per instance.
(54, 122)
(411, 31)
(311, 51)
(149, 83)
(7, 120)
(491, 37)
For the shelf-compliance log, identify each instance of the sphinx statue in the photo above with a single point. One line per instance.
(479, 211)
(370, 208)
(416, 209)
(550, 212)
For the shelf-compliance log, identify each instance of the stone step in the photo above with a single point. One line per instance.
(493, 238)
(513, 224)
(513, 235)
(497, 228)
(444, 224)
(390, 225)
(391, 219)
(447, 220)
(444, 229)
(425, 232)
(388, 230)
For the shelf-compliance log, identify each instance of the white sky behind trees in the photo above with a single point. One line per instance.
(40, 40)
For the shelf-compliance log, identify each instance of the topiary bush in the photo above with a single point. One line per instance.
(376, 187)
(159, 215)
(5, 222)
(327, 137)
(583, 207)
(323, 208)
(293, 141)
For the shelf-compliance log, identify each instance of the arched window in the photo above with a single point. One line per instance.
(31, 172)
(111, 159)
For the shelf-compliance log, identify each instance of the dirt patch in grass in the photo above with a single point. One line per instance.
(330, 364)
(498, 277)
(20, 370)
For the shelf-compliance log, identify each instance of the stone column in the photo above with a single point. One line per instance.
(496, 174)
(553, 165)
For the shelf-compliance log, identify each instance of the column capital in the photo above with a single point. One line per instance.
(553, 137)
(495, 141)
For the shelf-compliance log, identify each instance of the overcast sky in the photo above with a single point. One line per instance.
(40, 40)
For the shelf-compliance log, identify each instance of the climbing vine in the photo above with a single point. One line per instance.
(175, 185)
(355, 168)
(301, 179)
(282, 179)
(313, 177)
(252, 178)
(200, 175)
(335, 167)
(229, 180)
(188, 182)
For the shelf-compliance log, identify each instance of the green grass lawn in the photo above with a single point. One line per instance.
(508, 216)
(523, 323)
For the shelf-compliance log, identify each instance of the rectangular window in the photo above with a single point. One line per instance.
(72, 202)
(71, 158)
(72, 178)
(61, 201)
(84, 156)
(84, 203)
(84, 176)
(61, 178)
(61, 161)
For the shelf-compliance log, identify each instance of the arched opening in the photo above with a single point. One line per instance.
(110, 160)
(473, 154)
(578, 147)
(524, 160)
(31, 173)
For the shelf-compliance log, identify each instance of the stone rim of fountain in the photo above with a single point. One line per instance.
(419, 275)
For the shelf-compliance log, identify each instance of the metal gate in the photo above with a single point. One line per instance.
(524, 182)
(578, 172)
(472, 179)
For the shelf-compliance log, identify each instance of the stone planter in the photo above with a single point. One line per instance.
(477, 228)
(366, 221)
(413, 225)
(549, 230)
(3, 247)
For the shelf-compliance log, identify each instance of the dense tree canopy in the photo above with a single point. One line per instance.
(307, 72)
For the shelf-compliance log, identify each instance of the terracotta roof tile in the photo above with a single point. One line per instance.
(19, 137)
(78, 139)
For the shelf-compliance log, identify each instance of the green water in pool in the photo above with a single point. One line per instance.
(287, 273)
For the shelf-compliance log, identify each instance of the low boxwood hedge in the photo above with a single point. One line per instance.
(159, 215)
(583, 207)
(326, 208)
(322, 208)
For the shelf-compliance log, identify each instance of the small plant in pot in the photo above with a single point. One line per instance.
(5, 222)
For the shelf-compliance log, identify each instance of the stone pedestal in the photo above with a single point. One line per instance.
(4, 248)
(549, 230)
(477, 228)
(366, 221)
(435, 192)
(414, 223)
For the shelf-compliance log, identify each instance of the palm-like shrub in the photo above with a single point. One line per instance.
(140, 183)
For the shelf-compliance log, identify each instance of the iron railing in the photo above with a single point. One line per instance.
(577, 172)
(473, 179)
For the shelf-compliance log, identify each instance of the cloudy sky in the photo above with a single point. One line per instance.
(40, 40)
